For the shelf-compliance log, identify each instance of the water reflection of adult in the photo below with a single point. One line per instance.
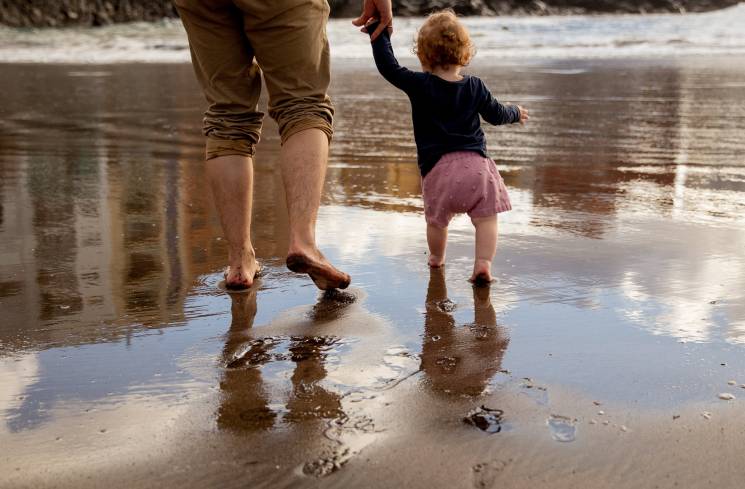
(460, 359)
(310, 399)
(246, 403)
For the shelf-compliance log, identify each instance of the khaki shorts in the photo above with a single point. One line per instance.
(233, 41)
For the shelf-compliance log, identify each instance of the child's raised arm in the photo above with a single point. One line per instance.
(399, 76)
(497, 114)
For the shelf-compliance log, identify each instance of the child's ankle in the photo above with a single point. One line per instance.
(436, 261)
(481, 272)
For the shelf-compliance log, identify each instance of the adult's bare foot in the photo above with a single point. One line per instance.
(242, 274)
(323, 273)
(435, 261)
(481, 273)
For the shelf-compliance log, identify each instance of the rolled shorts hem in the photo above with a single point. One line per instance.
(315, 123)
(225, 147)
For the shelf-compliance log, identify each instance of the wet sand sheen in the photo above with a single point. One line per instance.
(620, 277)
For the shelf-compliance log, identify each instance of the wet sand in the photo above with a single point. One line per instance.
(620, 278)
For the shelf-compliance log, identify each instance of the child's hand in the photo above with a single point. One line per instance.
(523, 114)
(371, 26)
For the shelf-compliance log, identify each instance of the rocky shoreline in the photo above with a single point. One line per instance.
(57, 13)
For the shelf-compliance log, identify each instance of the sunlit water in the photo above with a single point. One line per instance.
(620, 271)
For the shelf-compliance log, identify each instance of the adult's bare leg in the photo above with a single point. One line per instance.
(303, 158)
(231, 180)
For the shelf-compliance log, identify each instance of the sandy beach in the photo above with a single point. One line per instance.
(616, 321)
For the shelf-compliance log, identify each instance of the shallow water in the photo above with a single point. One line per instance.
(620, 274)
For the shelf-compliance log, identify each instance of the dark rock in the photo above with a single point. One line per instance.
(486, 419)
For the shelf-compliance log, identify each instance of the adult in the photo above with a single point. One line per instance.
(232, 43)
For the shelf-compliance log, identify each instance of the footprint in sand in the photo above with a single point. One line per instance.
(485, 474)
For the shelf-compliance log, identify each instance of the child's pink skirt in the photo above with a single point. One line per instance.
(463, 182)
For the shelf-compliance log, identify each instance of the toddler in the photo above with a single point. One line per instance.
(446, 105)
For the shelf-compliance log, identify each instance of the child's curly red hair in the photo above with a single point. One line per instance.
(443, 41)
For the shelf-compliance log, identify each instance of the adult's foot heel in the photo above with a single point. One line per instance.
(324, 275)
(241, 284)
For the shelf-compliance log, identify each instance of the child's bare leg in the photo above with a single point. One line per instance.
(486, 248)
(437, 239)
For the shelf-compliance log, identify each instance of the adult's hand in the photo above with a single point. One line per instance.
(376, 9)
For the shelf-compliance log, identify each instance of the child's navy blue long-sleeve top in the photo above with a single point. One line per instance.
(445, 114)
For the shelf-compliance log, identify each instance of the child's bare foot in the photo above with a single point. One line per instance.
(323, 273)
(436, 261)
(481, 273)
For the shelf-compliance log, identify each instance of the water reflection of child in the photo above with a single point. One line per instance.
(460, 359)
(457, 175)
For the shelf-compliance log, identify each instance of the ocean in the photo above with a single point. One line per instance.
(597, 36)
